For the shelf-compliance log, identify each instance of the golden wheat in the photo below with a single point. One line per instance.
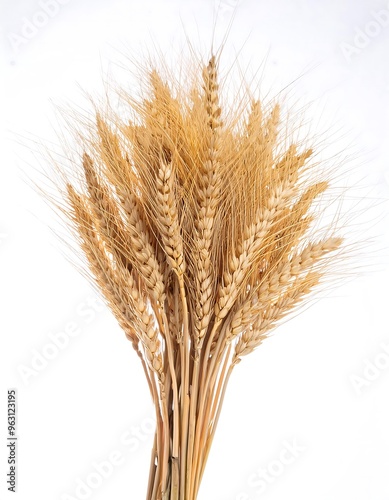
(200, 227)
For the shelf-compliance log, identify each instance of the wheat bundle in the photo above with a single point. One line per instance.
(198, 225)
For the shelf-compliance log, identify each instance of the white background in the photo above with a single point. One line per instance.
(296, 388)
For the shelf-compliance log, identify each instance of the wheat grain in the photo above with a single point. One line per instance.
(167, 218)
(140, 241)
(254, 335)
(207, 200)
(248, 249)
(274, 284)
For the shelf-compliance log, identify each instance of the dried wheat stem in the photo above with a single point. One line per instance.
(185, 398)
(204, 409)
(204, 384)
(153, 470)
(176, 420)
(215, 415)
(173, 245)
(207, 201)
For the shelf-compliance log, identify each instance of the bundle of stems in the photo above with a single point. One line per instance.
(198, 224)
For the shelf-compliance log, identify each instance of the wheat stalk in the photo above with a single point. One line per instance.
(201, 227)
